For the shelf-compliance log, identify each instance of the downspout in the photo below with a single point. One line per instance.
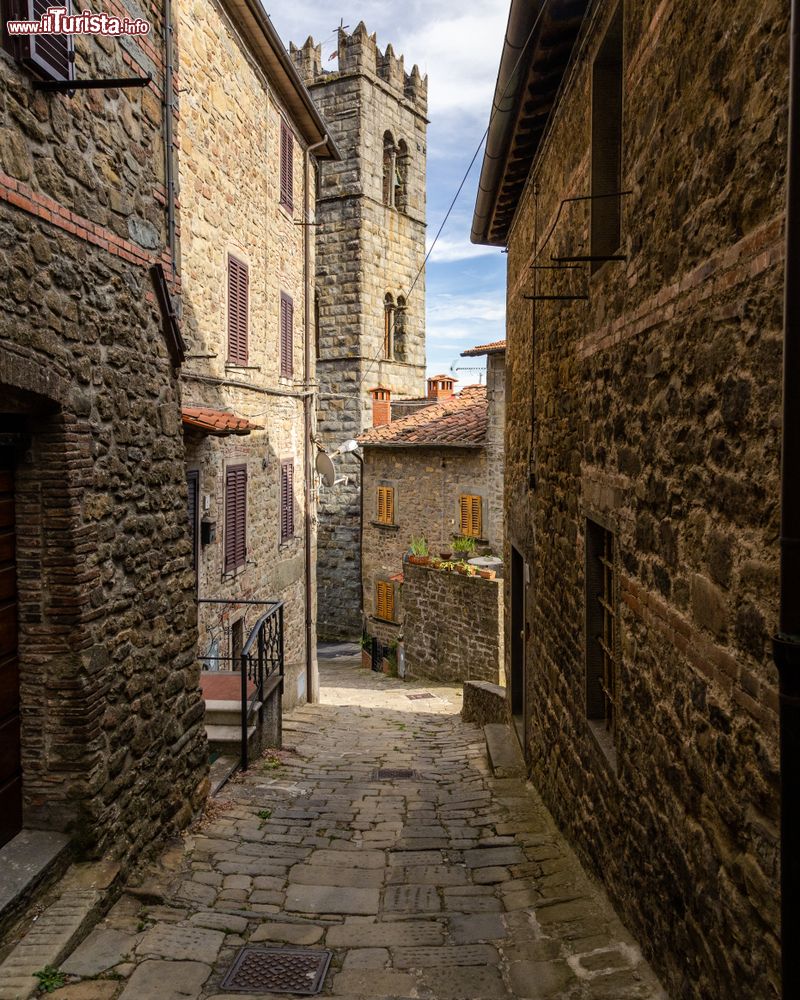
(309, 408)
(169, 110)
(786, 644)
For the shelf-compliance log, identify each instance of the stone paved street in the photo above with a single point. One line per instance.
(452, 884)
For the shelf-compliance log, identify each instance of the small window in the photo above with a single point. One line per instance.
(238, 289)
(287, 167)
(287, 500)
(385, 505)
(51, 57)
(235, 517)
(401, 176)
(388, 326)
(389, 169)
(384, 600)
(470, 515)
(287, 336)
(399, 345)
(606, 211)
(601, 633)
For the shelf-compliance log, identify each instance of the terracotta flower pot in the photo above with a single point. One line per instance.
(445, 554)
(487, 574)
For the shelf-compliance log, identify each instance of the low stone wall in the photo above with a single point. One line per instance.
(485, 703)
(452, 625)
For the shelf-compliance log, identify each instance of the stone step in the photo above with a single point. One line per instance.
(504, 751)
(59, 929)
(227, 739)
(228, 713)
(29, 862)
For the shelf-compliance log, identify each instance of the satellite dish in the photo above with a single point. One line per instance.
(326, 469)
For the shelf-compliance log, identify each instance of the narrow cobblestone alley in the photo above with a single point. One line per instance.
(449, 884)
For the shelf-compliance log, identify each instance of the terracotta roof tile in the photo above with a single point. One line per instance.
(498, 347)
(216, 422)
(457, 421)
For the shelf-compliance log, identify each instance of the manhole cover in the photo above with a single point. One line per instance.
(390, 773)
(416, 697)
(278, 970)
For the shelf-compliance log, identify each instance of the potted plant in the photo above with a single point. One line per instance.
(464, 548)
(487, 574)
(366, 651)
(418, 550)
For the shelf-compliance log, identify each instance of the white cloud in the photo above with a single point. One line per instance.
(449, 249)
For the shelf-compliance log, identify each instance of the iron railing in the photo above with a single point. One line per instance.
(260, 664)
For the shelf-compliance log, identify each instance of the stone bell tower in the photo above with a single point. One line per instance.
(370, 308)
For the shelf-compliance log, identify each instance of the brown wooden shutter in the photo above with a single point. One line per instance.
(238, 291)
(51, 56)
(470, 515)
(235, 517)
(287, 336)
(287, 163)
(385, 505)
(384, 600)
(287, 500)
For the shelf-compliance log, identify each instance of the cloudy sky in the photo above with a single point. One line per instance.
(458, 46)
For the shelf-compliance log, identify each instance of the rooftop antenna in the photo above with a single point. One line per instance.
(341, 26)
(455, 367)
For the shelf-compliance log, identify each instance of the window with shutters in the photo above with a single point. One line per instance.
(235, 517)
(384, 600)
(287, 500)
(386, 505)
(49, 56)
(601, 638)
(287, 336)
(238, 287)
(193, 490)
(287, 164)
(470, 515)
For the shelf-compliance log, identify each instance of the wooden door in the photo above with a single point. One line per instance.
(10, 761)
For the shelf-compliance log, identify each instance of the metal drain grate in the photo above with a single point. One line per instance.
(416, 697)
(392, 773)
(278, 970)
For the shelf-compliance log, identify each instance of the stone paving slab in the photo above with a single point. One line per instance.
(453, 886)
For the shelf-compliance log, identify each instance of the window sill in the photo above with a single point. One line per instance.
(384, 524)
(384, 621)
(288, 210)
(605, 741)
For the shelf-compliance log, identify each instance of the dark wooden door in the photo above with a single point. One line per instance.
(10, 766)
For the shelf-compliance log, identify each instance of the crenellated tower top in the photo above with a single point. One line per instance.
(359, 53)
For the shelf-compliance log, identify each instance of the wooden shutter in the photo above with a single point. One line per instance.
(287, 336)
(385, 505)
(238, 288)
(384, 600)
(287, 500)
(51, 56)
(235, 517)
(287, 163)
(470, 515)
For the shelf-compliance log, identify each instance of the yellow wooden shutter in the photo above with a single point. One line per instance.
(470, 515)
(381, 504)
(389, 602)
(380, 602)
(389, 505)
(385, 505)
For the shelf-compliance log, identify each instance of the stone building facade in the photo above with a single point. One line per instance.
(642, 456)
(246, 129)
(370, 307)
(101, 718)
(416, 471)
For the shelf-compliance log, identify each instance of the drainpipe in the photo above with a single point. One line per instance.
(786, 644)
(309, 407)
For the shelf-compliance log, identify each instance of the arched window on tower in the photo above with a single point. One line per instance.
(402, 162)
(388, 326)
(400, 347)
(389, 169)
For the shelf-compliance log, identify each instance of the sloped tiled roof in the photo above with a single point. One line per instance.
(498, 347)
(455, 422)
(216, 422)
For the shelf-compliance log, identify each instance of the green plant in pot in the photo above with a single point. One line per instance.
(463, 548)
(418, 550)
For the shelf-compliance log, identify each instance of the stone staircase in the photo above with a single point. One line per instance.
(224, 726)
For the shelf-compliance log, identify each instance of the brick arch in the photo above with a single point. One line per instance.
(45, 420)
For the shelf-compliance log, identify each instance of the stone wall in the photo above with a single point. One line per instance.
(113, 746)
(364, 251)
(453, 625)
(229, 168)
(657, 415)
(427, 483)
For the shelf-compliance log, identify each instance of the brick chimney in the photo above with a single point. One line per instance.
(440, 386)
(381, 406)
